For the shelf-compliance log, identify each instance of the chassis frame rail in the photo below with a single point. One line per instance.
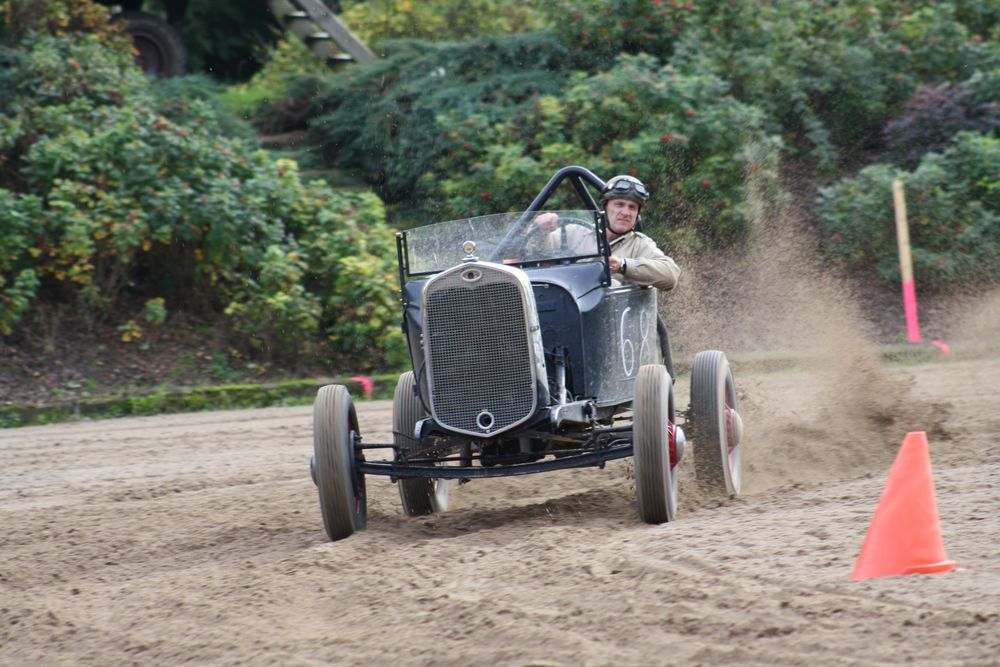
(397, 470)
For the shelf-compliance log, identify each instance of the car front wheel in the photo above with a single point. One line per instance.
(655, 468)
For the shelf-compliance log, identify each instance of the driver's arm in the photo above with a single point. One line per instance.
(543, 233)
(579, 239)
(646, 264)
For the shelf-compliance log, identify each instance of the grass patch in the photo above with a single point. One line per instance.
(223, 397)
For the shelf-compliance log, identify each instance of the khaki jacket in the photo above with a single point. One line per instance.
(645, 263)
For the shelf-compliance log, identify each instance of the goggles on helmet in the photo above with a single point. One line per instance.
(625, 187)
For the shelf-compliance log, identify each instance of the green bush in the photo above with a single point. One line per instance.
(829, 73)
(383, 121)
(933, 117)
(376, 22)
(272, 310)
(598, 31)
(181, 99)
(449, 130)
(953, 206)
(111, 203)
(684, 135)
(267, 99)
(981, 17)
(19, 19)
(349, 262)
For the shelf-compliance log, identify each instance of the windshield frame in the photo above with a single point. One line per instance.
(579, 178)
(437, 247)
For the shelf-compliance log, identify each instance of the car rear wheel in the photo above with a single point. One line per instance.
(718, 427)
(342, 498)
(655, 472)
(420, 495)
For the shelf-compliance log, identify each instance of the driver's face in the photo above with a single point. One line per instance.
(622, 214)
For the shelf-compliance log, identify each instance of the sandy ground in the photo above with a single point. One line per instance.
(197, 539)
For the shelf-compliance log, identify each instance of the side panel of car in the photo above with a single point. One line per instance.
(413, 328)
(619, 335)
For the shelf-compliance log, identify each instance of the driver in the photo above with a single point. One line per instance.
(634, 256)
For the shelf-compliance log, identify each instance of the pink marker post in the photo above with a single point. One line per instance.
(905, 263)
(906, 269)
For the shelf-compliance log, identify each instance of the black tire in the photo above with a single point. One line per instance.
(655, 478)
(717, 426)
(161, 51)
(342, 498)
(420, 495)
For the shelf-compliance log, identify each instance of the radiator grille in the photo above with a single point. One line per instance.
(479, 352)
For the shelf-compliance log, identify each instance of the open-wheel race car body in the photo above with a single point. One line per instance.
(527, 356)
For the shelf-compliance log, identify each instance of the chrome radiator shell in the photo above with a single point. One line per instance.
(485, 363)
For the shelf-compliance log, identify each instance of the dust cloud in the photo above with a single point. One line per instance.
(973, 328)
(775, 304)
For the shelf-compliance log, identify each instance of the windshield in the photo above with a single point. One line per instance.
(508, 238)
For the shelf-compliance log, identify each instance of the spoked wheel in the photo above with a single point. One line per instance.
(341, 485)
(420, 495)
(718, 427)
(655, 468)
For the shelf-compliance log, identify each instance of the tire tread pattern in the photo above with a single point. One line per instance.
(416, 493)
(651, 454)
(708, 377)
(333, 420)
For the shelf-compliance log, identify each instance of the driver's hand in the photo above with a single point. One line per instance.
(547, 222)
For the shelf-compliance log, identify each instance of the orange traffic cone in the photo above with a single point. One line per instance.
(905, 533)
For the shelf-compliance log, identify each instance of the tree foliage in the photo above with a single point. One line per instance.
(685, 135)
(384, 121)
(673, 91)
(598, 31)
(829, 73)
(934, 116)
(123, 204)
(953, 206)
(439, 20)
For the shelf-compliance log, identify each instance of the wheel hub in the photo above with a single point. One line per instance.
(734, 428)
(677, 440)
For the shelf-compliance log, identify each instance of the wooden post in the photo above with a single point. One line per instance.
(905, 263)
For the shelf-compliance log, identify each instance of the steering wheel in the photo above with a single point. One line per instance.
(530, 238)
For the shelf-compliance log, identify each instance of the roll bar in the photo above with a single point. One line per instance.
(578, 177)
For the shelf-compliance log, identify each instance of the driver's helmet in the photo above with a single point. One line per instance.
(625, 187)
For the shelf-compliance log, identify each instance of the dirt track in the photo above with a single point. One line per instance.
(197, 539)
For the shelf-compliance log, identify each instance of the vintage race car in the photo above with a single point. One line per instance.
(527, 357)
